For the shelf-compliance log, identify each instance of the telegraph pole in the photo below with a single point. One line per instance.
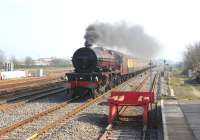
(150, 63)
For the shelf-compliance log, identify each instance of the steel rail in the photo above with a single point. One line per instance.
(51, 109)
(137, 88)
(154, 90)
(69, 114)
(11, 94)
(108, 130)
(18, 80)
(8, 106)
(24, 82)
(5, 130)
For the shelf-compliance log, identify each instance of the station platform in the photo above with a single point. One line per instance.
(181, 119)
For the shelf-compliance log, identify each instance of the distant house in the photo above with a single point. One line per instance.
(46, 61)
(43, 61)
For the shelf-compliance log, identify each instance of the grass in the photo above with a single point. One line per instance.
(197, 87)
(183, 88)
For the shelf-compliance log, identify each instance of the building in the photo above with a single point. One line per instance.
(43, 61)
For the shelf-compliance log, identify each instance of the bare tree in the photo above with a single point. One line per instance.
(14, 60)
(2, 58)
(28, 61)
(192, 57)
(58, 62)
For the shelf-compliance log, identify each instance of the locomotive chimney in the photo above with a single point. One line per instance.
(88, 44)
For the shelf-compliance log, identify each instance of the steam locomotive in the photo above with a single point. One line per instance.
(97, 70)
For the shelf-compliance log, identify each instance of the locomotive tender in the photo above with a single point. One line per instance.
(98, 69)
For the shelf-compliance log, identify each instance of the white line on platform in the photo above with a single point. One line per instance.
(164, 121)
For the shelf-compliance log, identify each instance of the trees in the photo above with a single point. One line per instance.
(14, 60)
(192, 57)
(28, 61)
(59, 62)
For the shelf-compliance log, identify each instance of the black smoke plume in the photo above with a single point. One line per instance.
(131, 39)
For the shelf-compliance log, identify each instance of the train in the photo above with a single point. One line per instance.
(97, 69)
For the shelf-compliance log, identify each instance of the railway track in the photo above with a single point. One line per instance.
(129, 128)
(11, 84)
(17, 80)
(63, 110)
(16, 91)
(23, 98)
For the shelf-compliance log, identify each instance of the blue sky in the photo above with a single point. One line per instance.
(43, 28)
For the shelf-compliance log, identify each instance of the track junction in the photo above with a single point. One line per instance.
(51, 117)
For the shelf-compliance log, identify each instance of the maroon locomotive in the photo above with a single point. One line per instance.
(97, 69)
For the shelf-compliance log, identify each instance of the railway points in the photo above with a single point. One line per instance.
(36, 116)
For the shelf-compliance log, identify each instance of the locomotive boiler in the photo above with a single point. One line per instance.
(86, 60)
(97, 69)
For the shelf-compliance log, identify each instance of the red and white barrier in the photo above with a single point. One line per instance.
(129, 98)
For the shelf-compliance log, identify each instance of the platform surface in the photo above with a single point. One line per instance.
(191, 111)
(175, 123)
